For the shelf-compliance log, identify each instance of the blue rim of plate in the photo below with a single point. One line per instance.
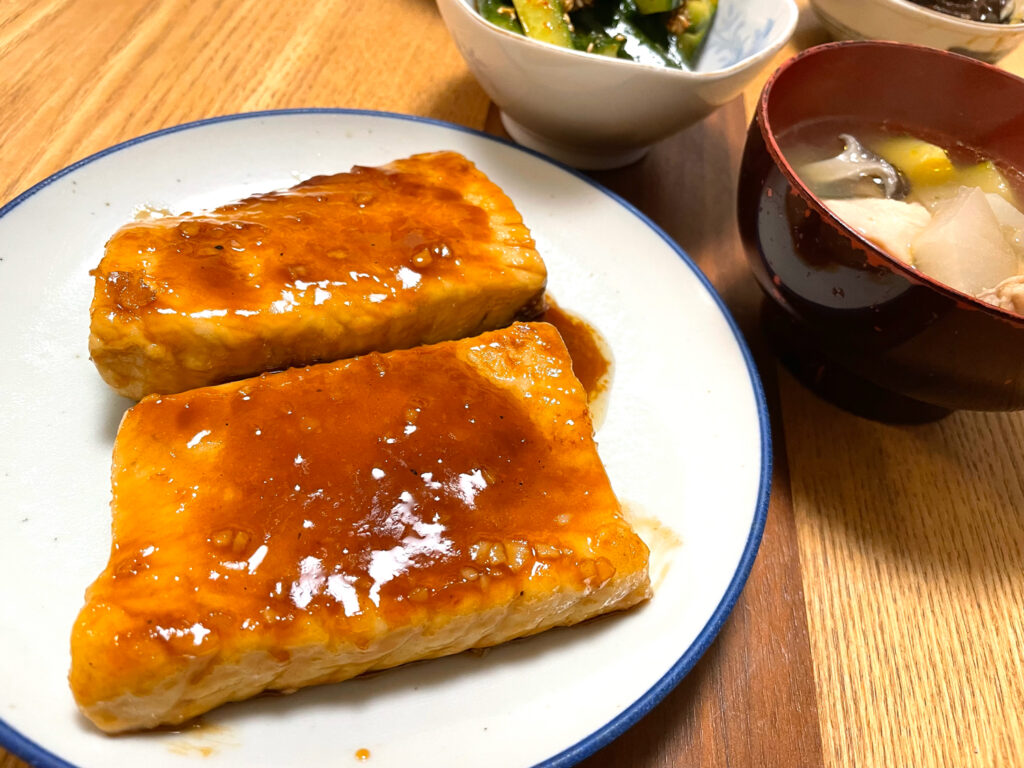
(34, 754)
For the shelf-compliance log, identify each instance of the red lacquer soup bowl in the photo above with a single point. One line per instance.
(860, 327)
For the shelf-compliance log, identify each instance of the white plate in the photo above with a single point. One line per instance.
(685, 442)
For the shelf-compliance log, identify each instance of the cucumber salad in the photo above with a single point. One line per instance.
(666, 33)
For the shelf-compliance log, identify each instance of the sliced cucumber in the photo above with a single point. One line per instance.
(500, 14)
(647, 39)
(545, 20)
(666, 33)
(699, 15)
(599, 42)
(647, 7)
(610, 46)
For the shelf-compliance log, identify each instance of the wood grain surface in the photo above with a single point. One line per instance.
(912, 545)
(883, 621)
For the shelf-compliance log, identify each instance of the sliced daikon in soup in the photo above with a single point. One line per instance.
(1012, 222)
(963, 246)
(890, 224)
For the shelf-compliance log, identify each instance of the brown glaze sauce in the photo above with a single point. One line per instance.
(187, 749)
(196, 724)
(197, 737)
(588, 350)
(370, 488)
(591, 356)
(349, 237)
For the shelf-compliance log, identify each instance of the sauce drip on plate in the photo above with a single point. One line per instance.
(590, 353)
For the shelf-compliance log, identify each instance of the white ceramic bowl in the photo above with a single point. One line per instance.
(598, 112)
(906, 22)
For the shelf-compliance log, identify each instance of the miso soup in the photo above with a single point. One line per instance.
(940, 208)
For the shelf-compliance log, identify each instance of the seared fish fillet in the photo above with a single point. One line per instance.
(307, 526)
(422, 250)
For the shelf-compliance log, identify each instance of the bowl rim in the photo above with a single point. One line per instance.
(986, 29)
(748, 63)
(779, 159)
(968, 25)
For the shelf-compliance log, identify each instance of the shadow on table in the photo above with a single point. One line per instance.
(945, 496)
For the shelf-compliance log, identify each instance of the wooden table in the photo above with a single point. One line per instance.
(883, 622)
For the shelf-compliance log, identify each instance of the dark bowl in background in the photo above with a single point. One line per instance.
(859, 327)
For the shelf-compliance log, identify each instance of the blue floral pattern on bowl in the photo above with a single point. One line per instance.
(742, 29)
